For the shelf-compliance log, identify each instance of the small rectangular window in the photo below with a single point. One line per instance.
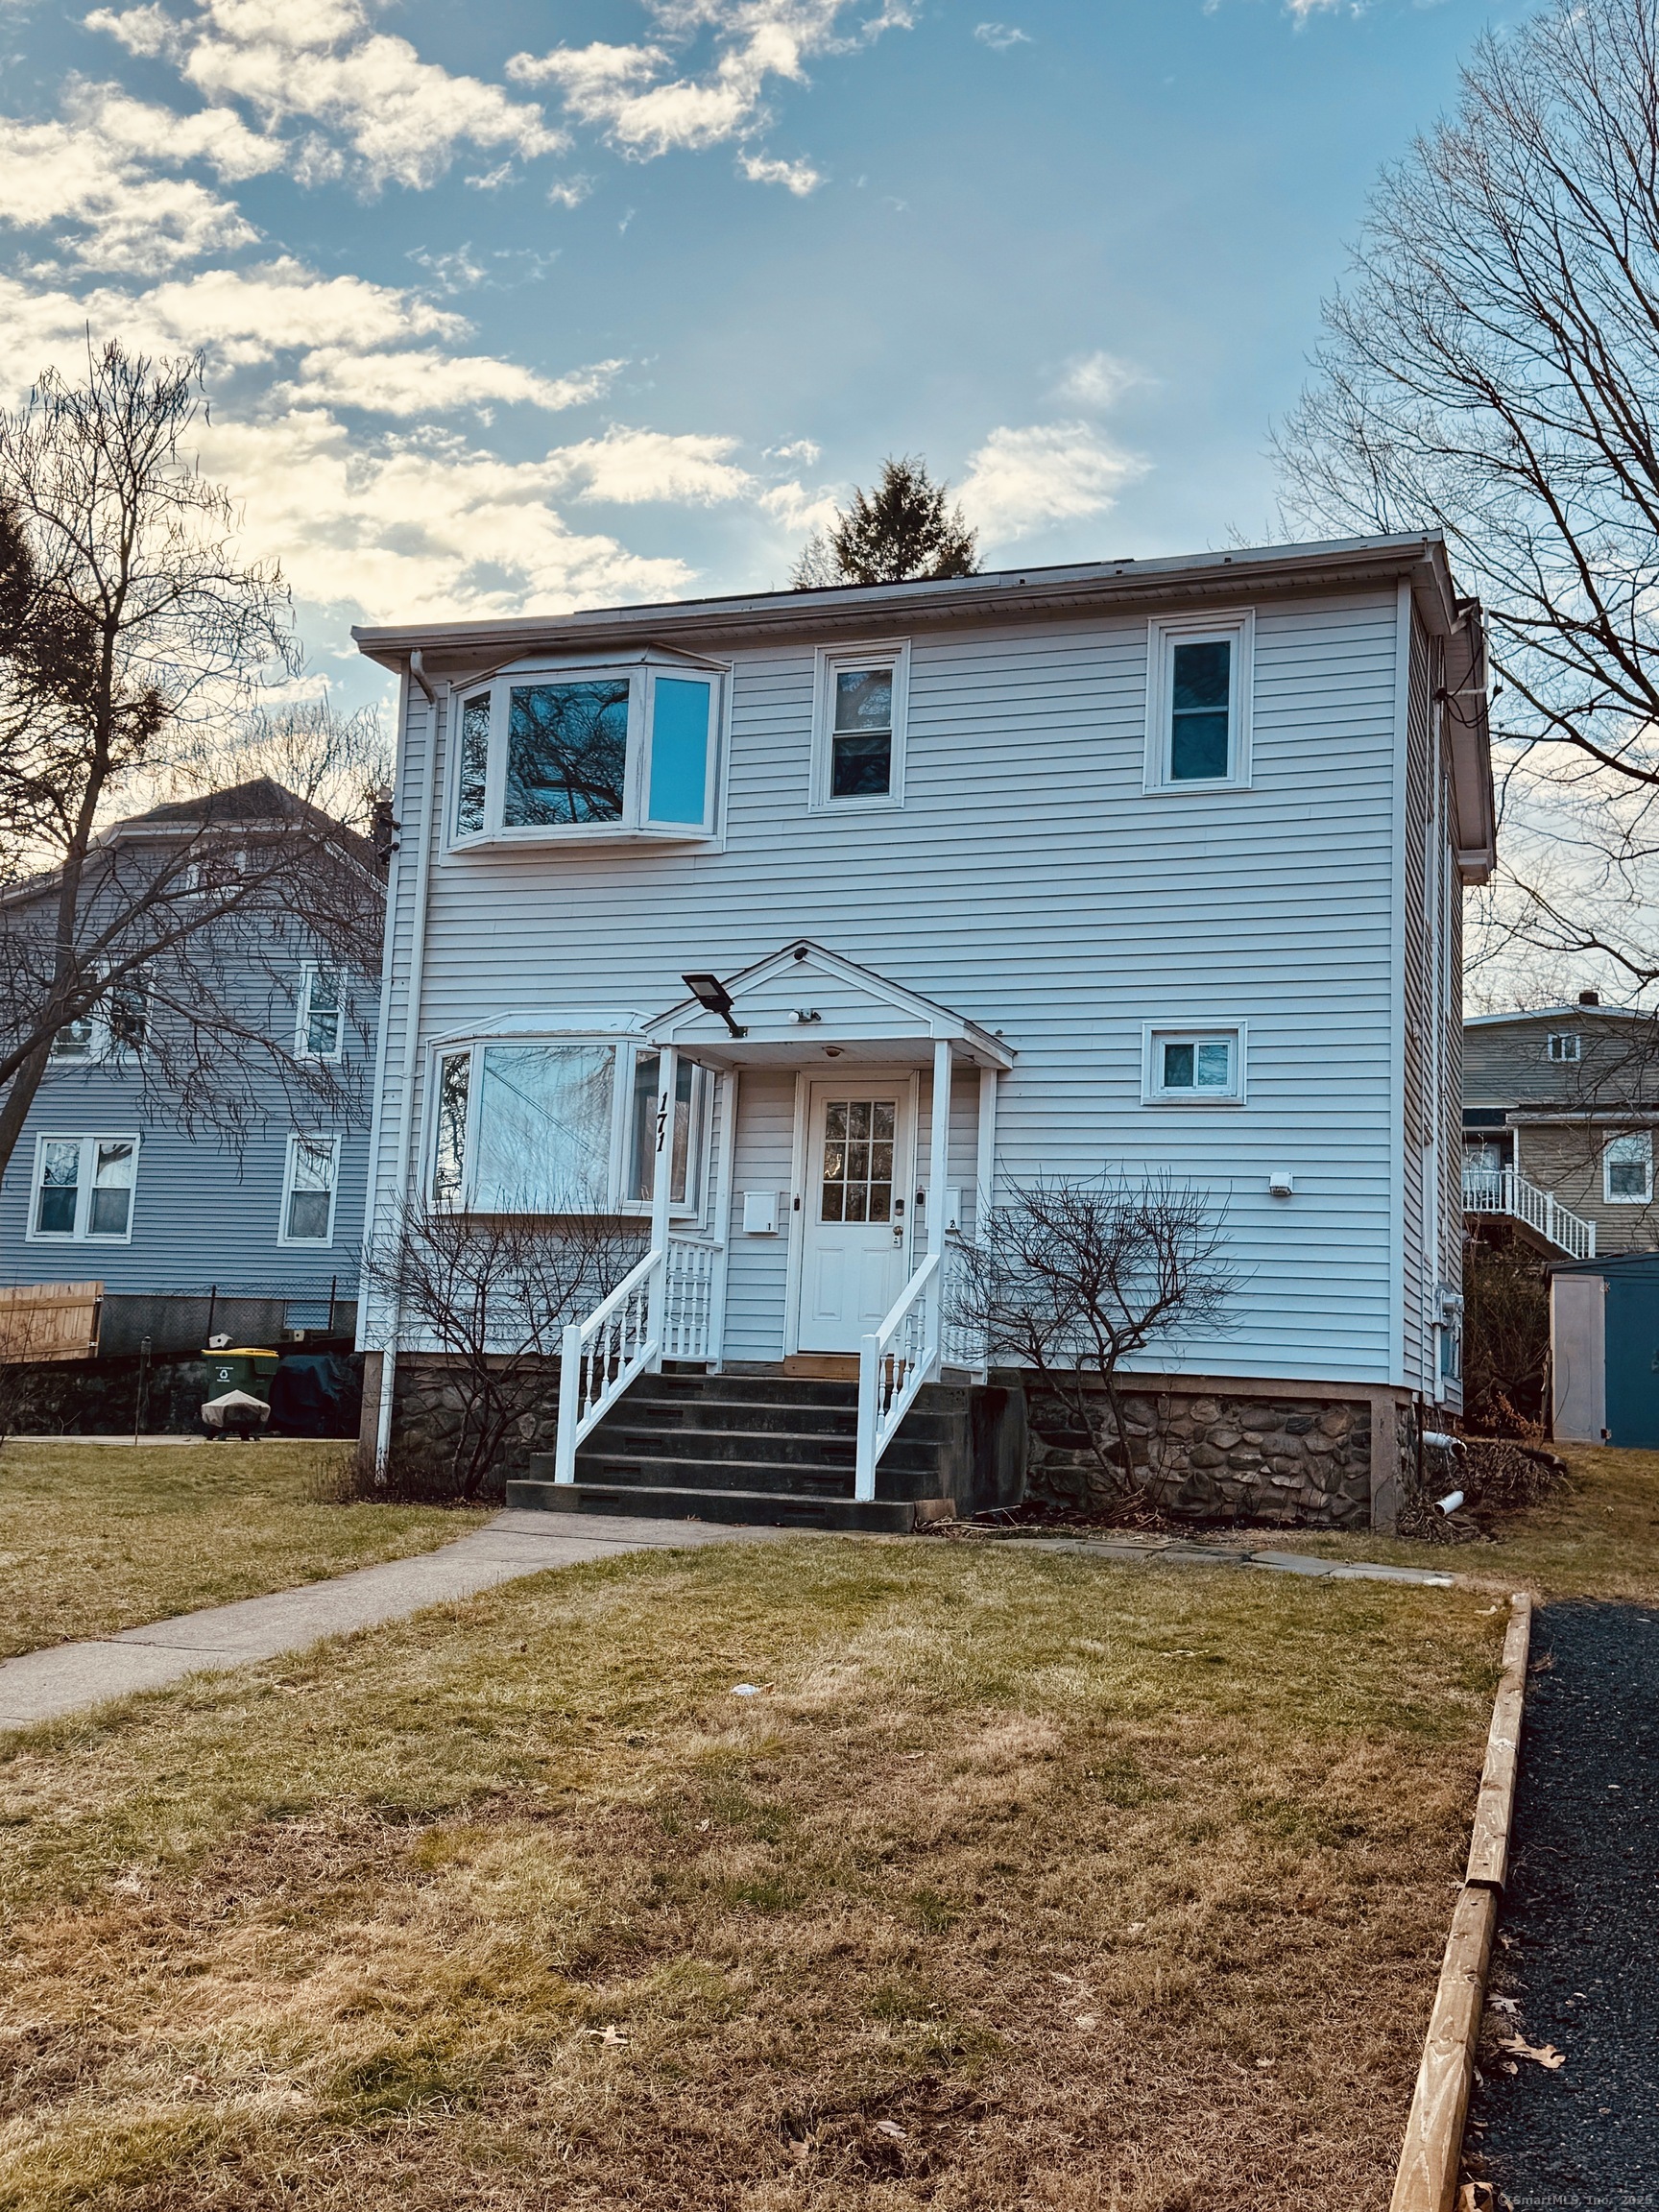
(84, 1187)
(1194, 1067)
(858, 729)
(321, 1025)
(679, 715)
(114, 1029)
(1198, 685)
(691, 1106)
(1564, 1045)
(308, 1190)
(1627, 1169)
(567, 753)
(472, 767)
(450, 1151)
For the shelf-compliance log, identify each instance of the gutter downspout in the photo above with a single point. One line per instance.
(411, 1041)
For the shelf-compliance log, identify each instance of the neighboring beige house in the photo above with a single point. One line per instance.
(1560, 1107)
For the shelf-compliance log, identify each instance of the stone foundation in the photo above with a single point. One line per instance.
(1224, 1454)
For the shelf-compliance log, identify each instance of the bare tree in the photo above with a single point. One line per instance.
(900, 531)
(488, 1295)
(1493, 371)
(132, 641)
(1073, 1278)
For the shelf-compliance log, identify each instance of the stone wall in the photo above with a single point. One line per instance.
(427, 1411)
(1288, 1463)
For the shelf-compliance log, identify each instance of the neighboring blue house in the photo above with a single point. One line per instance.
(854, 908)
(189, 1232)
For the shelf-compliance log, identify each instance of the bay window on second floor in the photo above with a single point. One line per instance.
(559, 1125)
(585, 752)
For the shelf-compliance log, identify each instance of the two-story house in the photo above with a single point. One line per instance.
(856, 909)
(179, 1220)
(1560, 1104)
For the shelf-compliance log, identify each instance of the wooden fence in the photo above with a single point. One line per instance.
(49, 1320)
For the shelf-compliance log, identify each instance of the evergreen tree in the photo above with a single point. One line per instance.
(897, 534)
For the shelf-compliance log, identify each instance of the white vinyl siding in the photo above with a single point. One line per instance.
(1011, 888)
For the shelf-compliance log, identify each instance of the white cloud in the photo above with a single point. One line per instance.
(424, 382)
(1099, 380)
(631, 467)
(216, 136)
(797, 177)
(628, 92)
(113, 215)
(799, 510)
(999, 36)
(402, 119)
(1047, 472)
(415, 529)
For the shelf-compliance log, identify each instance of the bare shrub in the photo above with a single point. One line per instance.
(1505, 1337)
(1072, 1278)
(488, 1295)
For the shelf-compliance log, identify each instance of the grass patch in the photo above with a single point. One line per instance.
(1600, 1540)
(995, 1899)
(97, 1537)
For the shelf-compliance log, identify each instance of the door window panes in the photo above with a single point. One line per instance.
(567, 753)
(544, 1128)
(59, 1187)
(857, 1179)
(861, 738)
(1201, 685)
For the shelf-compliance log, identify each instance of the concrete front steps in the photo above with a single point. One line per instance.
(775, 1450)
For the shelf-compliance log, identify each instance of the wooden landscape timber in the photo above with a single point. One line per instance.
(1427, 2178)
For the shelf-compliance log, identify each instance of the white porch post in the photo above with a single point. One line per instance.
(663, 1195)
(726, 1105)
(939, 1148)
(985, 1163)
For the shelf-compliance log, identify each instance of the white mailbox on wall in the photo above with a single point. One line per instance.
(760, 1213)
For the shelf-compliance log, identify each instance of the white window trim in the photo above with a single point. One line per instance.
(79, 1234)
(1568, 1037)
(635, 828)
(290, 1155)
(627, 1050)
(308, 975)
(298, 1137)
(827, 662)
(101, 1050)
(1155, 1034)
(1163, 632)
(1612, 1197)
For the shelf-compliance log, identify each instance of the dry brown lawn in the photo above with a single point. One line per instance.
(99, 1537)
(1600, 1540)
(1025, 1882)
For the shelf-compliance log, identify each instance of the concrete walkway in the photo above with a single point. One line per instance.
(70, 1677)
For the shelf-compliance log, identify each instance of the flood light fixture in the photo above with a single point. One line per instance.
(711, 993)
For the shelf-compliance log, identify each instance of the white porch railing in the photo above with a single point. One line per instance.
(1502, 1190)
(893, 1364)
(657, 1312)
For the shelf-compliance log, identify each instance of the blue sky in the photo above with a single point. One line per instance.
(527, 306)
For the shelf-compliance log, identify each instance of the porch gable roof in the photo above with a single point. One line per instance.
(804, 1001)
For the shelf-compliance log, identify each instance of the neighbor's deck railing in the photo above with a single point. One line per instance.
(1502, 1190)
(661, 1309)
(893, 1364)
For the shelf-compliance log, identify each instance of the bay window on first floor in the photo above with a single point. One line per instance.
(560, 1125)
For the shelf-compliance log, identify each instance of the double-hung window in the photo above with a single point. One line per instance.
(1563, 1044)
(114, 1029)
(1198, 687)
(1627, 1169)
(310, 1175)
(82, 1188)
(559, 1125)
(320, 1032)
(595, 752)
(860, 697)
(1197, 1067)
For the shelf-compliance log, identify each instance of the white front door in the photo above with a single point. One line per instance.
(855, 1242)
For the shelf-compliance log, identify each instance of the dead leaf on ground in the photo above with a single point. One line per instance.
(1086, 2020)
(1542, 2053)
(607, 2034)
(1476, 2197)
(893, 2129)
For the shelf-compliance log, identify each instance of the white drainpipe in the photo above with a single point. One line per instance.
(411, 1043)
